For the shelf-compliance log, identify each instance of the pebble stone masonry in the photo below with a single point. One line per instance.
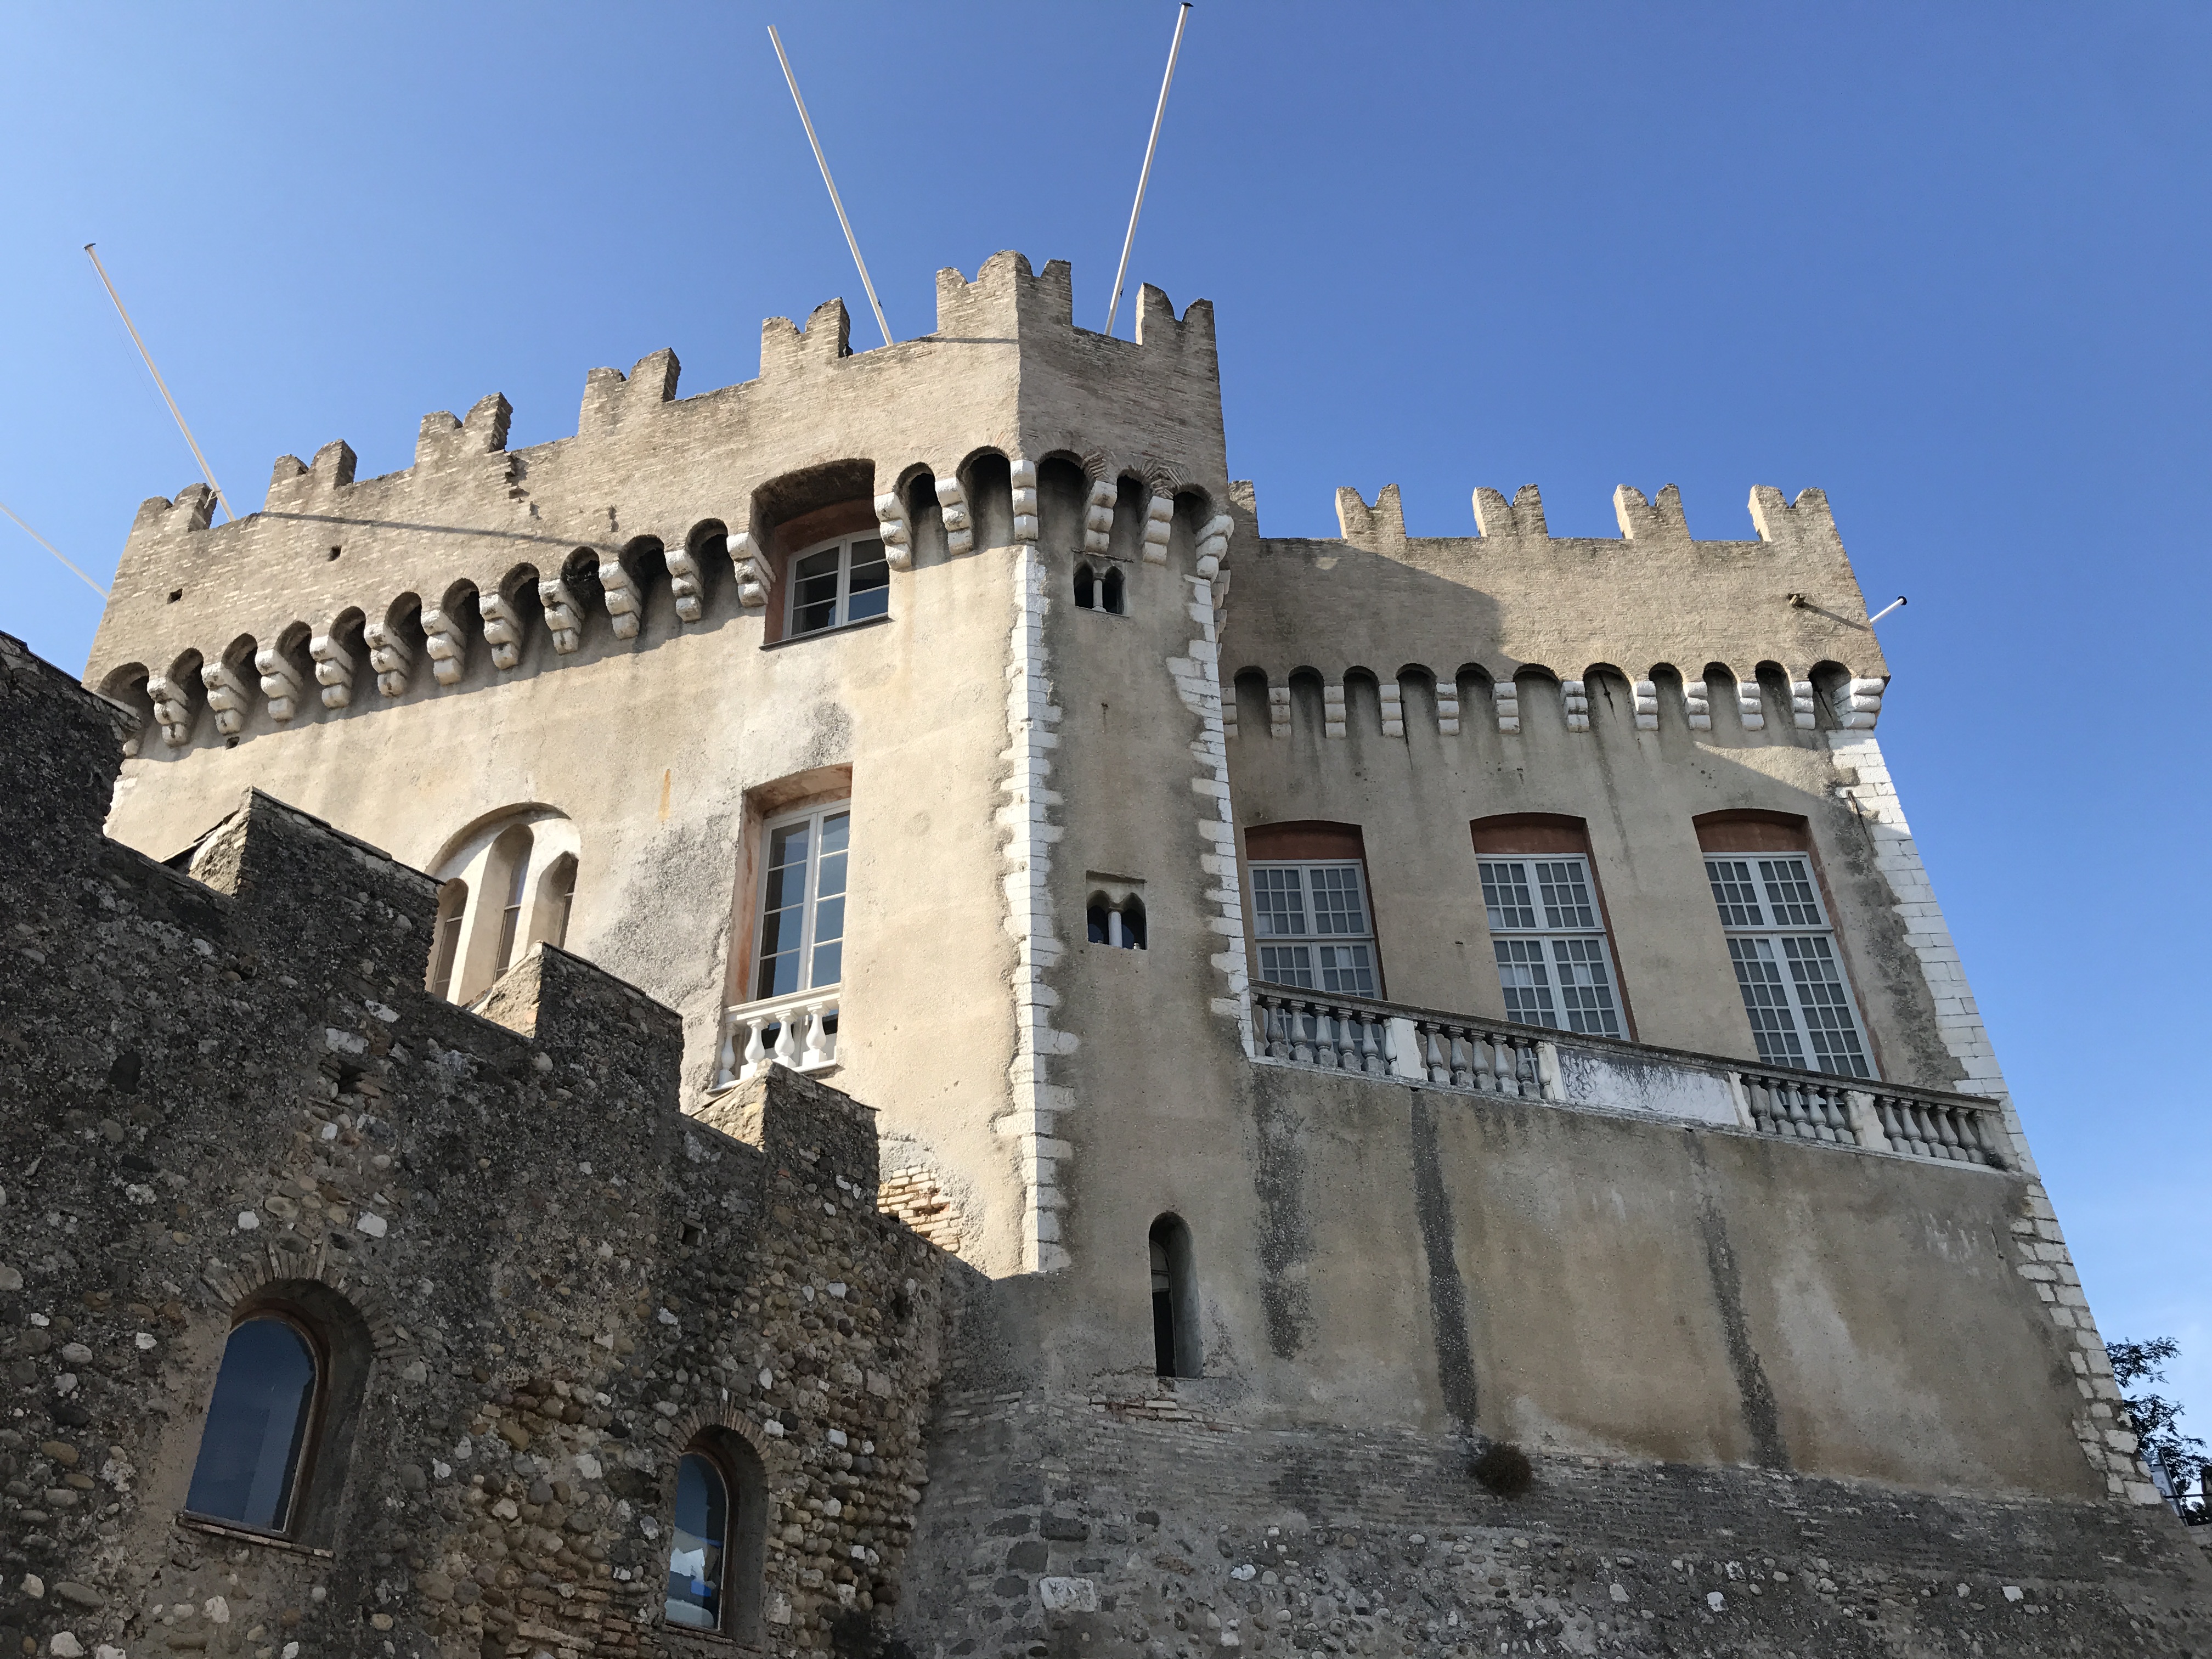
(1799, 1363)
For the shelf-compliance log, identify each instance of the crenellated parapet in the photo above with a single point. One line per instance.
(665, 513)
(1657, 627)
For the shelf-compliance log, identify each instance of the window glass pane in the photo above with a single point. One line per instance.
(1526, 980)
(1566, 893)
(1827, 1010)
(1774, 1026)
(695, 1555)
(814, 591)
(1733, 892)
(1336, 906)
(1287, 965)
(1789, 892)
(1348, 969)
(1505, 894)
(257, 1425)
(1278, 903)
(782, 911)
(869, 589)
(1585, 985)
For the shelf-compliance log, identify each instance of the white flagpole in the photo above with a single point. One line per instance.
(820, 161)
(159, 381)
(1145, 177)
(56, 551)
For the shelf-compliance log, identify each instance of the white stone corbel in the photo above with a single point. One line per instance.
(624, 603)
(502, 629)
(1505, 697)
(753, 577)
(1574, 697)
(564, 617)
(391, 656)
(174, 711)
(1647, 705)
(1278, 711)
(1023, 474)
(898, 535)
(1212, 544)
(447, 645)
(1698, 695)
(1858, 705)
(280, 682)
(227, 696)
(1332, 710)
(1098, 515)
(1748, 705)
(1159, 518)
(334, 668)
(1394, 709)
(959, 532)
(687, 585)
(1447, 708)
(1800, 704)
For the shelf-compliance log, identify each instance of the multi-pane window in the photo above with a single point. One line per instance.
(1313, 927)
(847, 581)
(1786, 966)
(1549, 936)
(802, 914)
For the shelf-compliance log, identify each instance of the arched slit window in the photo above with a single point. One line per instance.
(254, 1445)
(718, 1549)
(1174, 1300)
(557, 898)
(1086, 589)
(510, 858)
(1109, 593)
(453, 905)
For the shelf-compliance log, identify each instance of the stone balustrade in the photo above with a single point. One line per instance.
(1479, 1056)
(798, 1030)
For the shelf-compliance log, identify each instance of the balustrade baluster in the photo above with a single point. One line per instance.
(818, 1036)
(1463, 1077)
(755, 1047)
(1301, 1046)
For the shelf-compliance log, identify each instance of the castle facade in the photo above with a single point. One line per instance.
(1422, 1097)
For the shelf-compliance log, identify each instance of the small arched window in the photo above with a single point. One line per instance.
(1119, 924)
(510, 862)
(453, 905)
(1109, 593)
(559, 897)
(1086, 589)
(719, 1546)
(251, 1451)
(1174, 1300)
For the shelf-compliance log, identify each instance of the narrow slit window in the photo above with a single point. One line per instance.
(517, 850)
(1554, 963)
(1787, 968)
(1086, 589)
(802, 914)
(560, 898)
(1109, 593)
(1176, 1350)
(255, 1438)
(452, 906)
(1314, 929)
(846, 580)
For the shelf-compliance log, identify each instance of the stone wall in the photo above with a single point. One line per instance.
(535, 1278)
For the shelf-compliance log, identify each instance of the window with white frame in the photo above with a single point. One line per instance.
(1313, 926)
(1786, 963)
(801, 939)
(846, 580)
(1553, 963)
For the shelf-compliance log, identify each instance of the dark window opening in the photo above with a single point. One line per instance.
(249, 1466)
(1174, 1300)
(718, 1551)
(1110, 592)
(1086, 589)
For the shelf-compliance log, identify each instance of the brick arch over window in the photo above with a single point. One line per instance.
(1550, 934)
(1752, 829)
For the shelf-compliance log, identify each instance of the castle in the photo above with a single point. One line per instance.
(1417, 1097)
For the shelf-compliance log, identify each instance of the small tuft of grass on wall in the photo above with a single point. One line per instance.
(1504, 1470)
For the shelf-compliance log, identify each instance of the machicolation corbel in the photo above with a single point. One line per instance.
(280, 684)
(175, 709)
(898, 535)
(447, 644)
(1159, 519)
(502, 629)
(1024, 486)
(1098, 514)
(227, 696)
(333, 670)
(959, 532)
(391, 656)
(685, 585)
(564, 620)
(621, 594)
(1213, 544)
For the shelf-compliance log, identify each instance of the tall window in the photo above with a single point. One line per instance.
(560, 899)
(1174, 1300)
(444, 951)
(846, 580)
(1549, 936)
(511, 859)
(717, 1549)
(1310, 916)
(802, 913)
(1783, 952)
(257, 1422)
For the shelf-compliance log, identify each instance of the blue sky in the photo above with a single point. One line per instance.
(1944, 262)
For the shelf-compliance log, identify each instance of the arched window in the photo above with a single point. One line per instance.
(1086, 589)
(1174, 1300)
(510, 883)
(453, 905)
(1109, 592)
(1119, 923)
(258, 1423)
(718, 1547)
